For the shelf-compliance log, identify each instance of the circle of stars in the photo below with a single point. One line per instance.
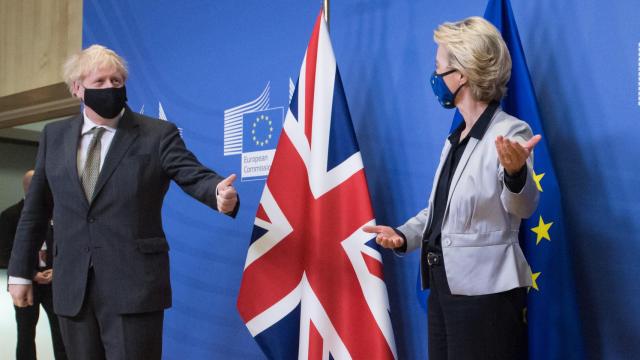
(267, 121)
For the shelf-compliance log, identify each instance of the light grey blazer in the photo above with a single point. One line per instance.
(482, 218)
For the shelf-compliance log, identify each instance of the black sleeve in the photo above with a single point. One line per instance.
(516, 182)
(403, 248)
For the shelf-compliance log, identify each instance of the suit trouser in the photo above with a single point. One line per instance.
(27, 320)
(98, 333)
(475, 327)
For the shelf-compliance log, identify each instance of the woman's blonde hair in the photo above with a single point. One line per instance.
(477, 50)
(94, 57)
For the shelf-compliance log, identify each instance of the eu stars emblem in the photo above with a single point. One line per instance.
(260, 131)
(262, 124)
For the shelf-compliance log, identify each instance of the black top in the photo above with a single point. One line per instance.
(431, 239)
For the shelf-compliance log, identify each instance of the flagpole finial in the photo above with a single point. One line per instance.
(325, 11)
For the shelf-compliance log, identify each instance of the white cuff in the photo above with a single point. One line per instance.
(13, 280)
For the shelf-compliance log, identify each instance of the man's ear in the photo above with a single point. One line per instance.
(76, 89)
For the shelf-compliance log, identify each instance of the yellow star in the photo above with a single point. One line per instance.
(534, 277)
(537, 178)
(542, 230)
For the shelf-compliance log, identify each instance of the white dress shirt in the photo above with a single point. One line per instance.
(42, 263)
(85, 140)
(83, 149)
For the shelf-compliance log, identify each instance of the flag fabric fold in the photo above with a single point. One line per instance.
(552, 314)
(313, 285)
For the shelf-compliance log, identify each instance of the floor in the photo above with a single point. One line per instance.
(8, 327)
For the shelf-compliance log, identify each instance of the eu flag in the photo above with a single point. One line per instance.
(260, 129)
(554, 325)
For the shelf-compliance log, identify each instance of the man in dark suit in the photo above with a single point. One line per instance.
(27, 317)
(106, 173)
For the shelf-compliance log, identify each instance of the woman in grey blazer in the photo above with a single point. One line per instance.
(468, 234)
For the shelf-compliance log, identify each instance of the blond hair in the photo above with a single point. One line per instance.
(477, 50)
(94, 57)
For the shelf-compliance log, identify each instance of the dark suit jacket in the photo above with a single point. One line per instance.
(8, 224)
(120, 231)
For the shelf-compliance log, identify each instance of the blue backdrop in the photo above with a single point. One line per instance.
(192, 60)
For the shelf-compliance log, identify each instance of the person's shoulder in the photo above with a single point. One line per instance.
(12, 210)
(152, 124)
(62, 125)
(506, 119)
(506, 124)
(6, 212)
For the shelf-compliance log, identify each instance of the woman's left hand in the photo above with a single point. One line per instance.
(513, 155)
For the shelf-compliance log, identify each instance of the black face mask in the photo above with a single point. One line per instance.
(106, 102)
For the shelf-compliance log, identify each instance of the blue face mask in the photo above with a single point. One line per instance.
(444, 95)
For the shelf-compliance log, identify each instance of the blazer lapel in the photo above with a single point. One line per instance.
(126, 133)
(468, 151)
(471, 147)
(71, 142)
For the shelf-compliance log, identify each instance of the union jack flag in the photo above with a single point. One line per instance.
(313, 286)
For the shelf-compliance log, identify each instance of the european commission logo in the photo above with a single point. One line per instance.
(251, 130)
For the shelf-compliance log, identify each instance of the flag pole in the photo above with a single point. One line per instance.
(325, 11)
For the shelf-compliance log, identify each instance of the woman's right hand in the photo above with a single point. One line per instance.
(385, 236)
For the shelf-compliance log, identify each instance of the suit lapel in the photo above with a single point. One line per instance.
(126, 133)
(71, 142)
(468, 151)
(494, 110)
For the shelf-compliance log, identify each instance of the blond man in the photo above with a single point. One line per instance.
(102, 177)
